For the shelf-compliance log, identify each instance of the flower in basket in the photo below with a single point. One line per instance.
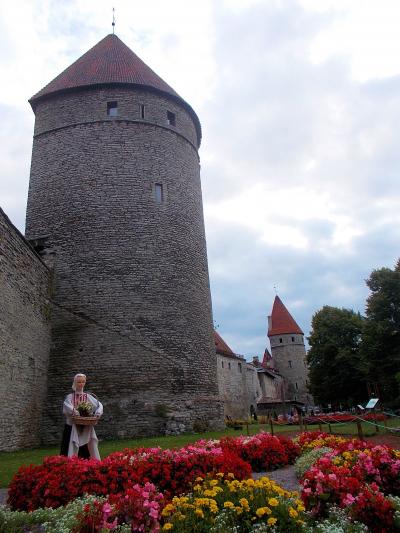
(85, 408)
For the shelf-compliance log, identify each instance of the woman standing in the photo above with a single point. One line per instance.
(79, 440)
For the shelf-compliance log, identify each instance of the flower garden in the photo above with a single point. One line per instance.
(346, 486)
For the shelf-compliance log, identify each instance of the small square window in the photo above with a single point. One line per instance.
(171, 118)
(112, 109)
(142, 111)
(159, 193)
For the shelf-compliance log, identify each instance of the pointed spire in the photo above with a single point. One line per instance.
(267, 361)
(281, 321)
(111, 63)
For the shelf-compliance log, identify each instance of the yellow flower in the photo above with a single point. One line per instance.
(232, 476)
(292, 512)
(272, 521)
(167, 526)
(199, 479)
(238, 510)
(220, 475)
(261, 511)
(228, 505)
(273, 502)
(199, 513)
(214, 482)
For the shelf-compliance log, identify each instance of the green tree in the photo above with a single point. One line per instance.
(381, 336)
(336, 374)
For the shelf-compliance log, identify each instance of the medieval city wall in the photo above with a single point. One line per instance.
(24, 338)
(232, 382)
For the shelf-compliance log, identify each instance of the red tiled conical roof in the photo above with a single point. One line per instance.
(110, 62)
(281, 321)
(220, 345)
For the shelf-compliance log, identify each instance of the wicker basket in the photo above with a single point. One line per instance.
(84, 420)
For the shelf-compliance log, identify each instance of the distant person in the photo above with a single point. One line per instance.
(79, 440)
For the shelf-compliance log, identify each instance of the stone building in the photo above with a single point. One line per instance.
(288, 353)
(115, 209)
(24, 338)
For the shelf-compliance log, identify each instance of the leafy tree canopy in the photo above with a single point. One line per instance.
(381, 336)
(336, 374)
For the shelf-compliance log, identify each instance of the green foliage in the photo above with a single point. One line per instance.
(337, 522)
(336, 368)
(381, 337)
(305, 461)
(60, 520)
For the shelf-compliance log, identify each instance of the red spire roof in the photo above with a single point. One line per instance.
(267, 359)
(220, 345)
(281, 321)
(110, 62)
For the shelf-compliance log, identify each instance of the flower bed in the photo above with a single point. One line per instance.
(356, 477)
(60, 480)
(223, 504)
(263, 451)
(205, 487)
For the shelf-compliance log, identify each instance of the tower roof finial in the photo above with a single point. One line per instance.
(113, 21)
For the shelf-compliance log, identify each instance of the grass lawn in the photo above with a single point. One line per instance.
(11, 461)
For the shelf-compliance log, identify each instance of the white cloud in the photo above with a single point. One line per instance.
(299, 103)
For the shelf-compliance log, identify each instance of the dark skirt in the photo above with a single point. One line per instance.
(83, 450)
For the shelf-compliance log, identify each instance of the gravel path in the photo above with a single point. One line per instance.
(3, 496)
(285, 477)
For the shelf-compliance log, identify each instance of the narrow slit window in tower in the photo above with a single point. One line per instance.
(171, 118)
(158, 193)
(229, 366)
(112, 109)
(142, 111)
(280, 340)
(240, 367)
(290, 364)
(292, 339)
(222, 364)
(297, 387)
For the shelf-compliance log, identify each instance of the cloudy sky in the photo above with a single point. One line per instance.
(299, 102)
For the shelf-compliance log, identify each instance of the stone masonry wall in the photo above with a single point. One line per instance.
(24, 339)
(131, 288)
(232, 384)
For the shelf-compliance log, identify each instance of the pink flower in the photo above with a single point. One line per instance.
(348, 499)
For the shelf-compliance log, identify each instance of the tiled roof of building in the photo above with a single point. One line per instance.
(281, 321)
(221, 347)
(267, 359)
(110, 62)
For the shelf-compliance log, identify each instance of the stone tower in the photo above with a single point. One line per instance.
(115, 209)
(288, 352)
